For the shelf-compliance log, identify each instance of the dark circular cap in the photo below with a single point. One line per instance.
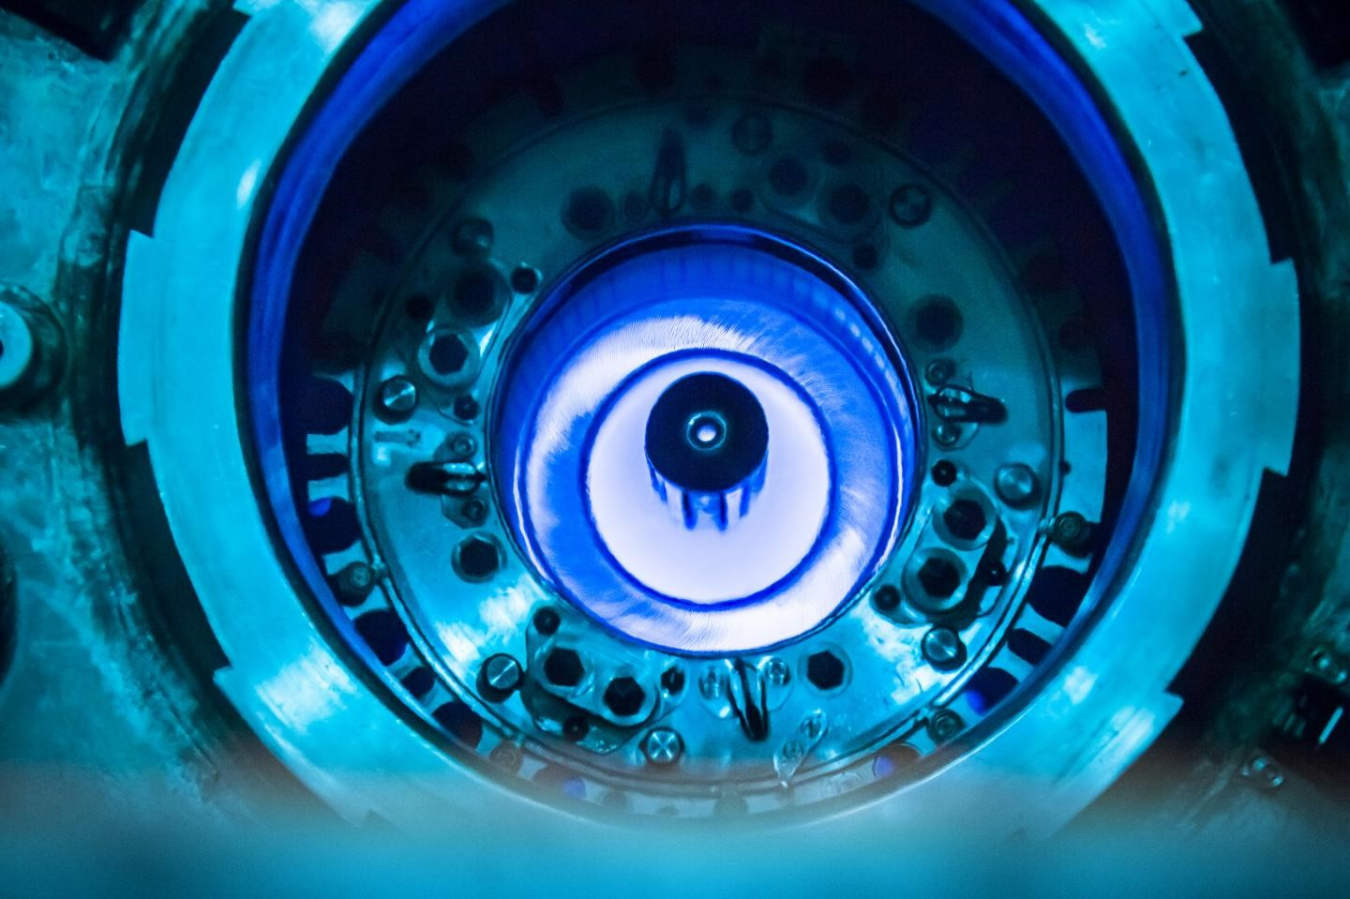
(707, 433)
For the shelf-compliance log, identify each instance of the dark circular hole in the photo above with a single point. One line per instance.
(849, 204)
(944, 473)
(576, 728)
(563, 668)
(466, 408)
(524, 280)
(887, 598)
(672, 680)
(477, 558)
(965, 519)
(546, 622)
(327, 406)
(825, 670)
(448, 355)
(624, 697)
(589, 212)
(788, 177)
(419, 681)
(460, 721)
(939, 322)
(384, 633)
(939, 577)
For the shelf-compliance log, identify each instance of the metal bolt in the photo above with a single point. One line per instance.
(473, 237)
(813, 726)
(508, 756)
(887, 598)
(1017, 485)
(1072, 533)
(499, 677)
(792, 751)
(398, 397)
(710, 684)
(943, 649)
(463, 446)
(777, 672)
(474, 510)
(662, 747)
(944, 725)
(354, 583)
(947, 435)
(939, 371)
(911, 206)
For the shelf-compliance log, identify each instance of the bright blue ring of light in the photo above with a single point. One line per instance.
(998, 29)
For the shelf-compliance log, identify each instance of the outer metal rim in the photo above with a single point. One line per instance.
(1091, 718)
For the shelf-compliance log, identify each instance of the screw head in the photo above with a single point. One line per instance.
(887, 598)
(398, 397)
(499, 677)
(1017, 485)
(662, 747)
(474, 510)
(943, 649)
(777, 672)
(354, 583)
(911, 206)
(944, 725)
(939, 371)
(710, 683)
(1072, 533)
(944, 473)
(947, 435)
(463, 446)
(813, 726)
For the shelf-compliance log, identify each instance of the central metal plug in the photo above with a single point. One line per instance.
(707, 442)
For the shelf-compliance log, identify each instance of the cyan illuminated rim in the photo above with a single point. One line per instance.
(181, 395)
(738, 297)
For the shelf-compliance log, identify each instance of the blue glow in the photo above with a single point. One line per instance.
(570, 438)
(419, 28)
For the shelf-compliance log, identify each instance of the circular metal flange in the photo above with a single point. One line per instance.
(293, 687)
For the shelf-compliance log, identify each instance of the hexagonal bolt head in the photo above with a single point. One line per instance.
(624, 697)
(563, 668)
(825, 670)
